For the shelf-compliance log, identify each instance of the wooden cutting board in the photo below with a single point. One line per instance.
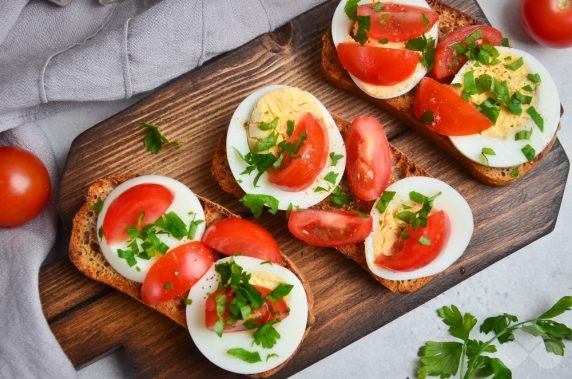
(91, 320)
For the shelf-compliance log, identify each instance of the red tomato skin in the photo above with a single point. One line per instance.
(368, 158)
(182, 266)
(378, 65)
(445, 63)
(453, 115)
(151, 199)
(404, 22)
(300, 172)
(547, 23)
(24, 186)
(232, 236)
(329, 227)
(413, 255)
(267, 312)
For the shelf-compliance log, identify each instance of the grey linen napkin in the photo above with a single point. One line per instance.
(52, 58)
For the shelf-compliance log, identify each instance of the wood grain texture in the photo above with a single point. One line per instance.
(91, 320)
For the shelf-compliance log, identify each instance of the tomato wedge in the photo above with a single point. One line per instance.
(300, 170)
(378, 65)
(267, 312)
(329, 228)
(397, 22)
(231, 236)
(151, 200)
(452, 115)
(447, 61)
(176, 272)
(368, 158)
(414, 255)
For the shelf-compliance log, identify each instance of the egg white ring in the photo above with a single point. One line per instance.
(508, 151)
(215, 348)
(236, 139)
(184, 201)
(460, 218)
(341, 26)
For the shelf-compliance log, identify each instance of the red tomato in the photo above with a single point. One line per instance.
(549, 22)
(150, 199)
(231, 236)
(24, 186)
(447, 61)
(176, 272)
(378, 65)
(267, 312)
(398, 22)
(329, 228)
(300, 170)
(368, 158)
(453, 116)
(413, 255)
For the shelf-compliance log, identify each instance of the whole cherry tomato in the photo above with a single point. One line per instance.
(549, 22)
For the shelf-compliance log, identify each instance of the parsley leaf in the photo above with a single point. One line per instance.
(351, 9)
(499, 325)
(273, 355)
(439, 359)
(266, 335)
(331, 177)
(256, 203)
(486, 151)
(339, 198)
(269, 125)
(561, 306)
(258, 162)
(363, 26)
(245, 355)
(335, 158)
(424, 19)
(266, 143)
(384, 201)
(97, 206)
(279, 292)
(154, 140)
(426, 46)
(459, 325)
(172, 223)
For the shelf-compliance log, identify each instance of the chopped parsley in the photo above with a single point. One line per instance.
(514, 172)
(427, 118)
(339, 197)
(256, 203)
(154, 140)
(529, 152)
(335, 158)
(188, 301)
(426, 46)
(331, 177)
(168, 286)
(360, 214)
(245, 355)
(269, 125)
(97, 206)
(424, 19)
(279, 292)
(486, 152)
(266, 335)
(384, 201)
(419, 218)
(505, 42)
(383, 41)
(273, 355)
(363, 22)
(289, 127)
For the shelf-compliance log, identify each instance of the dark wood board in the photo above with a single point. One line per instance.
(91, 320)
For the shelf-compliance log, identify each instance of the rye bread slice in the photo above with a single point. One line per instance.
(402, 167)
(402, 106)
(86, 255)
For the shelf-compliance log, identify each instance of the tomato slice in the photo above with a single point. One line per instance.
(368, 158)
(329, 227)
(447, 61)
(232, 236)
(267, 312)
(378, 65)
(300, 170)
(414, 255)
(151, 200)
(176, 272)
(398, 22)
(453, 116)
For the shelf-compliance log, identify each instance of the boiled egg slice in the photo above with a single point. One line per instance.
(341, 26)
(505, 137)
(240, 133)
(291, 328)
(185, 204)
(385, 228)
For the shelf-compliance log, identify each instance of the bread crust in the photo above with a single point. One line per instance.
(86, 255)
(402, 167)
(402, 106)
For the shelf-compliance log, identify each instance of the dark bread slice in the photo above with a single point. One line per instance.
(86, 255)
(403, 167)
(402, 106)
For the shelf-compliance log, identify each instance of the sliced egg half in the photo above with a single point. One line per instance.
(185, 204)
(450, 201)
(215, 348)
(341, 26)
(501, 137)
(237, 146)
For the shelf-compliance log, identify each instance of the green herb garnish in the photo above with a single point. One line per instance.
(335, 158)
(529, 152)
(384, 201)
(536, 117)
(279, 292)
(515, 65)
(154, 140)
(426, 46)
(245, 355)
(256, 202)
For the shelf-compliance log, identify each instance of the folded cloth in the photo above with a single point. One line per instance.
(52, 58)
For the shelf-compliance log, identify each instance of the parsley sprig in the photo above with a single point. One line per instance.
(154, 140)
(469, 357)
